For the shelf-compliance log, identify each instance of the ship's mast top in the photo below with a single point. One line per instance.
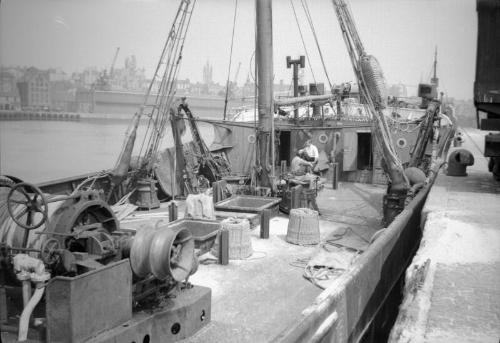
(435, 80)
(264, 61)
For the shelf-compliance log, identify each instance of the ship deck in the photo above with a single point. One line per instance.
(255, 299)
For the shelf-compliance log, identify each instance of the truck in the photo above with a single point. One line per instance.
(487, 82)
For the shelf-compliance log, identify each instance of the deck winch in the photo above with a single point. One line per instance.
(71, 248)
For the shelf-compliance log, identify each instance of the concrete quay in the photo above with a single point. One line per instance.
(452, 287)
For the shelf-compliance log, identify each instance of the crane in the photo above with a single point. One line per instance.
(103, 82)
(373, 90)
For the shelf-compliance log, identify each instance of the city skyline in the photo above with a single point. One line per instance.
(71, 35)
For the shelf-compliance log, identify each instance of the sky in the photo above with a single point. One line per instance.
(401, 34)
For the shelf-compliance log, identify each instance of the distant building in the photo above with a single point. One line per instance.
(207, 74)
(129, 78)
(198, 88)
(57, 75)
(183, 87)
(398, 90)
(34, 89)
(248, 89)
(62, 95)
(9, 95)
(83, 101)
(87, 78)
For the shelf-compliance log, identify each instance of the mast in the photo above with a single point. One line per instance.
(435, 80)
(264, 62)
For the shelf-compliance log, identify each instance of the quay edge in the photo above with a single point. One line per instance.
(452, 285)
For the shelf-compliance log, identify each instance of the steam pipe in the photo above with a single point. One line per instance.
(28, 309)
(29, 269)
(26, 286)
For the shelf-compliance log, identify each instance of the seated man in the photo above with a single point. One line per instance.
(299, 169)
(299, 165)
(310, 153)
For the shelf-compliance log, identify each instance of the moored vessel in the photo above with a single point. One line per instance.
(87, 237)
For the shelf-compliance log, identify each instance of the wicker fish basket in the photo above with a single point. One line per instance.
(303, 227)
(240, 243)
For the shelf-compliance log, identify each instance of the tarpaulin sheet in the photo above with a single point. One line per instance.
(239, 144)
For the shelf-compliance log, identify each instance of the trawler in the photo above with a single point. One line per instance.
(144, 252)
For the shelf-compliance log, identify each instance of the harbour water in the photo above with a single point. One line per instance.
(39, 151)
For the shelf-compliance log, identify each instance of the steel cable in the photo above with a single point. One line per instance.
(303, 42)
(230, 58)
(311, 24)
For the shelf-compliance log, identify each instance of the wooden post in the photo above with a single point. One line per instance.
(295, 195)
(172, 212)
(3, 305)
(264, 223)
(335, 175)
(224, 247)
(283, 168)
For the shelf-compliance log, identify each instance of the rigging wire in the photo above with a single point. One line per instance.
(160, 92)
(174, 86)
(311, 24)
(303, 42)
(230, 57)
(164, 60)
(146, 97)
(171, 58)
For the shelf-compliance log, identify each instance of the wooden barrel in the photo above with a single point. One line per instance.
(240, 243)
(303, 227)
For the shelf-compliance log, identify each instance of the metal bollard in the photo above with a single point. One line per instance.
(295, 196)
(335, 175)
(3, 305)
(264, 223)
(224, 247)
(172, 211)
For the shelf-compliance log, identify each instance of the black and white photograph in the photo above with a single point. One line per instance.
(246, 171)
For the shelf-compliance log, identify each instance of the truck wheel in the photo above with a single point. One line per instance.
(495, 167)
